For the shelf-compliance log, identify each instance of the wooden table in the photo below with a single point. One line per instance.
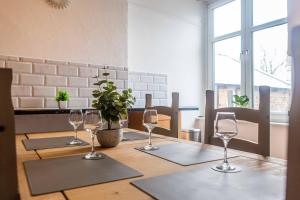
(147, 164)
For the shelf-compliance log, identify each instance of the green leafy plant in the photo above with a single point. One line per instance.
(112, 104)
(241, 101)
(62, 96)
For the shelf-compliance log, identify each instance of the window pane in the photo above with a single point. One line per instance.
(227, 70)
(272, 66)
(268, 10)
(227, 18)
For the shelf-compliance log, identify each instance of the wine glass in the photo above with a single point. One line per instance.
(123, 121)
(92, 122)
(150, 121)
(75, 119)
(226, 129)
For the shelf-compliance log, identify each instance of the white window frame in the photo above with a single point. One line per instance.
(246, 34)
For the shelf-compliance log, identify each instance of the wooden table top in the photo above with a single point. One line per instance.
(147, 164)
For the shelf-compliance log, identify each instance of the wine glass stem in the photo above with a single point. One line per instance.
(225, 151)
(93, 138)
(76, 134)
(150, 140)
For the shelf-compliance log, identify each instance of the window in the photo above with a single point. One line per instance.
(248, 48)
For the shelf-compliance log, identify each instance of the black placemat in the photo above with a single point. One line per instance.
(131, 136)
(50, 143)
(58, 174)
(207, 184)
(186, 154)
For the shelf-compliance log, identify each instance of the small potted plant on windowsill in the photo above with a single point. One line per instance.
(241, 101)
(113, 106)
(61, 98)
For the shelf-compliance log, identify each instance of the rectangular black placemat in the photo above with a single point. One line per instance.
(58, 174)
(207, 184)
(131, 136)
(50, 143)
(186, 154)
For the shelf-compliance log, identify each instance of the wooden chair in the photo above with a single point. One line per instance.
(260, 116)
(293, 171)
(172, 112)
(8, 163)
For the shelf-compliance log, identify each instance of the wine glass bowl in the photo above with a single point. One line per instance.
(226, 129)
(150, 121)
(123, 122)
(75, 119)
(92, 123)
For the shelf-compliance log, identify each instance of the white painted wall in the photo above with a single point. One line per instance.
(88, 31)
(168, 37)
(293, 16)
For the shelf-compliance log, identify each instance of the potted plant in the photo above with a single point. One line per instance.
(61, 98)
(241, 101)
(113, 106)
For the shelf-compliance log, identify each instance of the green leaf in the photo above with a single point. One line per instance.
(113, 104)
(241, 101)
(62, 96)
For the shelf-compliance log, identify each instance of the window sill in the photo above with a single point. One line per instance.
(279, 123)
(273, 123)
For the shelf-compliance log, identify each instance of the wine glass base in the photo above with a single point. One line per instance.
(226, 169)
(93, 156)
(150, 148)
(75, 142)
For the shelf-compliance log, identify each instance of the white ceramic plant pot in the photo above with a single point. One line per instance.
(62, 104)
(109, 138)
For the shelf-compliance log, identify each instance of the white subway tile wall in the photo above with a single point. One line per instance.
(78, 82)
(122, 75)
(56, 81)
(44, 68)
(148, 83)
(15, 78)
(41, 91)
(65, 70)
(20, 90)
(36, 81)
(19, 67)
(31, 102)
(15, 102)
(88, 72)
(29, 79)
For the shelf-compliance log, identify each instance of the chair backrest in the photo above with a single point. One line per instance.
(260, 116)
(172, 112)
(8, 163)
(293, 175)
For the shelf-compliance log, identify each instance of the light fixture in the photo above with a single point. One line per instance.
(59, 4)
